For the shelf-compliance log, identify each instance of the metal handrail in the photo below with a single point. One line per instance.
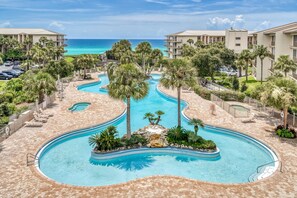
(281, 165)
(30, 156)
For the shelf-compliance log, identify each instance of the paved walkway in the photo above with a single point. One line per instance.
(18, 180)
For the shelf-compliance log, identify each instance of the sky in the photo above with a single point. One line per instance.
(144, 18)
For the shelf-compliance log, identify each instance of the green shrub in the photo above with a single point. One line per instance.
(4, 120)
(244, 87)
(181, 136)
(286, 133)
(134, 141)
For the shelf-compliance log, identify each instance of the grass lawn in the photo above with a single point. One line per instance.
(2, 84)
(251, 83)
(69, 59)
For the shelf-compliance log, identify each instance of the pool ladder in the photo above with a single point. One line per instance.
(31, 159)
(252, 176)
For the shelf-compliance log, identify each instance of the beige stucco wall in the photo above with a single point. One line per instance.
(231, 41)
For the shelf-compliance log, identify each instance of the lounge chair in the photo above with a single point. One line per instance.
(39, 115)
(41, 111)
(33, 124)
(38, 119)
(250, 119)
(189, 90)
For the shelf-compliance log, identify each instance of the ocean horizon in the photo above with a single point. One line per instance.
(99, 46)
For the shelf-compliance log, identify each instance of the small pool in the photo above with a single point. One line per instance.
(81, 106)
(240, 108)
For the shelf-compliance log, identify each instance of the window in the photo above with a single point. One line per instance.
(237, 44)
(295, 54)
(238, 38)
(295, 40)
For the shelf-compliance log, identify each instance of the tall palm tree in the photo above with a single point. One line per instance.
(239, 64)
(178, 74)
(196, 123)
(247, 56)
(262, 52)
(285, 64)
(280, 93)
(128, 82)
(40, 84)
(143, 50)
(84, 62)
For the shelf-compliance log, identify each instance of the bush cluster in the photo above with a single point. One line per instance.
(181, 136)
(281, 131)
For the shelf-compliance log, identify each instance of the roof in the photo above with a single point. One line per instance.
(14, 31)
(200, 32)
(283, 28)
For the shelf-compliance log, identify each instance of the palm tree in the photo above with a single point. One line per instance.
(196, 123)
(247, 56)
(1, 58)
(285, 64)
(150, 118)
(144, 50)
(84, 62)
(190, 41)
(40, 84)
(178, 74)
(262, 52)
(159, 114)
(128, 82)
(280, 93)
(239, 64)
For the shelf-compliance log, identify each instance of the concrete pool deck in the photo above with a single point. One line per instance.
(19, 180)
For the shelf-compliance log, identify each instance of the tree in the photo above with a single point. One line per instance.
(152, 119)
(196, 123)
(262, 52)
(143, 50)
(247, 56)
(84, 62)
(187, 51)
(1, 58)
(190, 41)
(128, 82)
(40, 84)
(235, 83)
(285, 64)
(207, 61)
(280, 93)
(59, 68)
(239, 63)
(178, 73)
(120, 48)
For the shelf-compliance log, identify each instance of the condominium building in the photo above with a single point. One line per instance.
(21, 34)
(174, 42)
(236, 40)
(281, 40)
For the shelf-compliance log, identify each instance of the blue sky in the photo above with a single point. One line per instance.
(144, 18)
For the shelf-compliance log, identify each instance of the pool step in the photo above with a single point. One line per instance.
(264, 172)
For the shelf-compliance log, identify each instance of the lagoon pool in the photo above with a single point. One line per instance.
(68, 159)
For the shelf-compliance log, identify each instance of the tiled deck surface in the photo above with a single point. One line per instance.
(18, 180)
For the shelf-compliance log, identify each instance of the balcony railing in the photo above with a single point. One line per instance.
(173, 41)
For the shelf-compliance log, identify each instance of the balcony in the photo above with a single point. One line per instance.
(173, 41)
(295, 44)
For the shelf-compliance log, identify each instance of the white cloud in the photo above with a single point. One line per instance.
(224, 23)
(57, 25)
(5, 24)
(262, 26)
(158, 2)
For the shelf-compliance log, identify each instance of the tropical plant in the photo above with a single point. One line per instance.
(59, 68)
(152, 118)
(285, 64)
(235, 83)
(190, 41)
(128, 82)
(106, 140)
(84, 62)
(239, 65)
(262, 52)
(247, 56)
(119, 49)
(143, 50)
(280, 93)
(196, 123)
(178, 74)
(40, 84)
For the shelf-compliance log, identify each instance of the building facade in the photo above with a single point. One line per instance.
(281, 40)
(174, 42)
(21, 34)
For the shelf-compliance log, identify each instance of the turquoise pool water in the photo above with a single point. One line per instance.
(81, 106)
(68, 161)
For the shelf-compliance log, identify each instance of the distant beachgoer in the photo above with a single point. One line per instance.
(213, 109)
